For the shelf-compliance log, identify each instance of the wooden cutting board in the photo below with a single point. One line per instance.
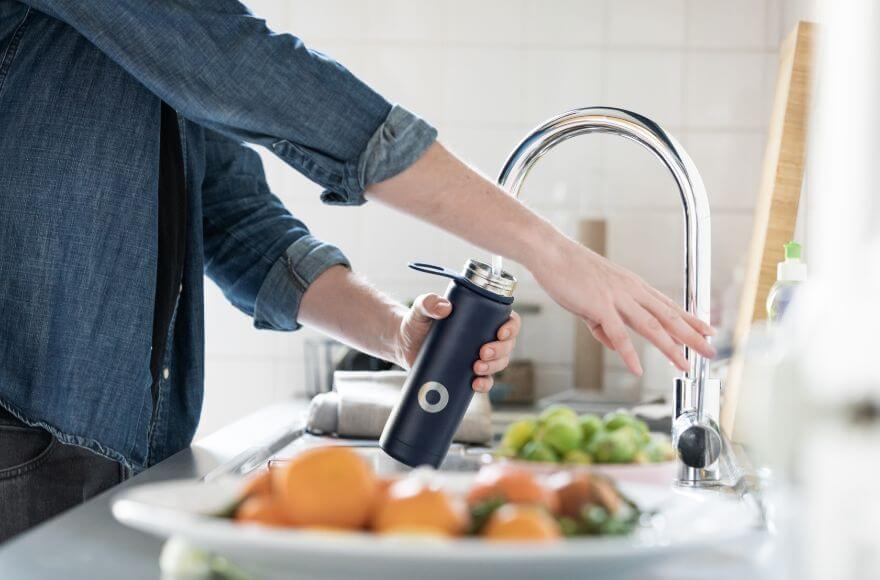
(779, 195)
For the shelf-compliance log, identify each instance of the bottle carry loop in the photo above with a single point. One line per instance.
(463, 280)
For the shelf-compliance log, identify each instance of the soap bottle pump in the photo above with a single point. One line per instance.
(789, 275)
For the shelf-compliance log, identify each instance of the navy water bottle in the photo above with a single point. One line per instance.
(438, 390)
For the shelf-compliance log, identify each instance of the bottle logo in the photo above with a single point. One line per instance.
(440, 399)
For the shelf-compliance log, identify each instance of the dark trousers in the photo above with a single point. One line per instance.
(41, 477)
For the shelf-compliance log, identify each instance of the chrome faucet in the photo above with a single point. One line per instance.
(696, 434)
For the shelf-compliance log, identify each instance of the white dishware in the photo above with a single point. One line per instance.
(684, 520)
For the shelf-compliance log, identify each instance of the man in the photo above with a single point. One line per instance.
(124, 176)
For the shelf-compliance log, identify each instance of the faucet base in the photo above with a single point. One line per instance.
(698, 478)
(698, 439)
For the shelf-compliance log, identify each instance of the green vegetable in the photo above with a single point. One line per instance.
(659, 450)
(556, 411)
(569, 526)
(561, 433)
(618, 419)
(577, 457)
(618, 446)
(519, 433)
(482, 511)
(593, 517)
(617, 525)
(622, 420)
(504, 452)
(591, 425)
(538, 451)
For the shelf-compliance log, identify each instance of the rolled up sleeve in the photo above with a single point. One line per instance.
(395, 145)
(279, 298)
(223, 68)
(261, 256)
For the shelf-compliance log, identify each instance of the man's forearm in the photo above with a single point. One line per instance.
(441, 189)
(341, 304)
(444, 191)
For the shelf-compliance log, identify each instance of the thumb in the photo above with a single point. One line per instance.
(429, 307)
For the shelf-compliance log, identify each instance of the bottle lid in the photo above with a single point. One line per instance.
(482, 275)
(793, 268)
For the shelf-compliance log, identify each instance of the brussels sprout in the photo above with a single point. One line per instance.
(659, 450)
(618, 446)
(590, 426)
(504, 452)
(641, 457)
(577, 457)
(556, 411)
(560, 433)
(518, 434)
(537, 451)
(618, 419)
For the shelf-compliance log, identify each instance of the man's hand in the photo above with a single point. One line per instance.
(344, 306)
(494, 356)
(608, 298)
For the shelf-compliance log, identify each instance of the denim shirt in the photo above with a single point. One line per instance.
(80, 90)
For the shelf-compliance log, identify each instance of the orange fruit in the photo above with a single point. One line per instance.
(326, 487)
(513, 522)
(411, 507)
(512, 484)
(262, 509)
(259, 484)
(383, 484)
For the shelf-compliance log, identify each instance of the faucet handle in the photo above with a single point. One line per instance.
(698, 445)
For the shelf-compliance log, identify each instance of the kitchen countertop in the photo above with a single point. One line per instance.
(86, 543)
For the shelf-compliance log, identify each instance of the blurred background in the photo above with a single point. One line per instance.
(485, 72)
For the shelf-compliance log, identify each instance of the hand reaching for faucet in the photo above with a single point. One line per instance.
(608, 298)
(442, 190)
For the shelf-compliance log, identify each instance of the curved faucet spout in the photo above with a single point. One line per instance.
(696, 434)
(697, 228)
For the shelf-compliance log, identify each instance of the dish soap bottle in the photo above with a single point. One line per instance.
(789, 275)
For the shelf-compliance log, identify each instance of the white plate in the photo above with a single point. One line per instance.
(686, 520)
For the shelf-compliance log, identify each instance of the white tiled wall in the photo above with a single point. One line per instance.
(485, 72)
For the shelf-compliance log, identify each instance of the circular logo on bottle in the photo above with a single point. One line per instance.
(433, 397)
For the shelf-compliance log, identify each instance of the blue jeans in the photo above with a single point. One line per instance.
(41, 477)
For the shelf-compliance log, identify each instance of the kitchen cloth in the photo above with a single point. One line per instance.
(361, 401)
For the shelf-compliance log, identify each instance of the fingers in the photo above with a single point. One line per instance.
(491, 367)
(651, 328)
(681, 331)
(482, 384)
(614, 329)
(704, 328)
(431, 307)
(495, 350)
(510, 329)
(685, 328)
(600, 335)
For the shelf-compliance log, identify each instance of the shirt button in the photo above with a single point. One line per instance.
(166, 373)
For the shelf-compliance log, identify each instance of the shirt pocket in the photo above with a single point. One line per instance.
(11, 46)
